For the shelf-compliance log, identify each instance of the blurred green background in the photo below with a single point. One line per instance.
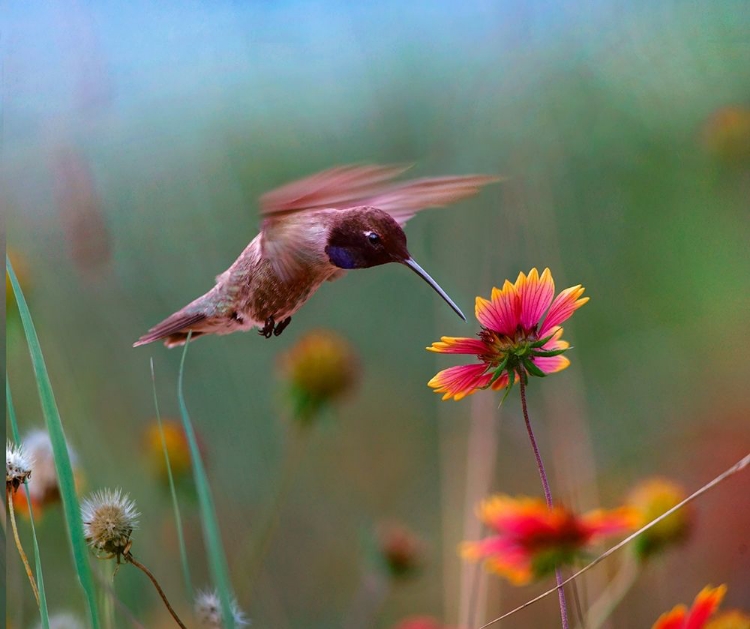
(136, 140)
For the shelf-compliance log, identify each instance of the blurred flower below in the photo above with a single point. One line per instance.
(531, 540)
(704, 606)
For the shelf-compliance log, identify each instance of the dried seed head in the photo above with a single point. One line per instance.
(109, 518)
(208, 611)
(18, 464)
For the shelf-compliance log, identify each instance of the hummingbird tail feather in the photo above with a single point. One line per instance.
(173, 329)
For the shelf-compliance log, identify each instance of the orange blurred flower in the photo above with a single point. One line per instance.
(704, 605)
(178, 449)
(651, 498)
(727, 133)
(320, 368)
(520, 333)
(531, 539)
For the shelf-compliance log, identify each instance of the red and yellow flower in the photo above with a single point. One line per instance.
(531, 540)
(697, 617)
(520, 335)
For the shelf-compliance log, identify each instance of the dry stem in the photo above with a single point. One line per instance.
(132, 560)
(12, 512)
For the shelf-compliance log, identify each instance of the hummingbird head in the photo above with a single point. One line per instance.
(365, 237)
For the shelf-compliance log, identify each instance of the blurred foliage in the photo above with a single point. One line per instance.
(136, 139)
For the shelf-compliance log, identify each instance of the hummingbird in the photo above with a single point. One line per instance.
(314, 230)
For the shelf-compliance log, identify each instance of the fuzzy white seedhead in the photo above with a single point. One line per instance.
(109, 518)
(43, 487)
(18, 464)
(208, 611)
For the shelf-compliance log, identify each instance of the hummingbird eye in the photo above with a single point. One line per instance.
(373, 238)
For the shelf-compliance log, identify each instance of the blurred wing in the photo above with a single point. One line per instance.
(337, 188)
(404, 200)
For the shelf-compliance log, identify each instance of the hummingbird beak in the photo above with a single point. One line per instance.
(423, 274)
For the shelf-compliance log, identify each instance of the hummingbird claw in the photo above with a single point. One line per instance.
(267, 329)
(280, 327)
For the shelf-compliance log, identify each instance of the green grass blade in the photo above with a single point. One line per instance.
(175, 504)
(63, 467)
(37, 559)
(216, 559)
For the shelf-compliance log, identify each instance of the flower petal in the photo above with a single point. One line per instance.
(457, 345)
(553, 364)
(502, 556)
(674, 619)
(705, 604)
(565, 304)
(535, 296)
(507, 306)
(601, 522)
(460, 381)
(500, 312)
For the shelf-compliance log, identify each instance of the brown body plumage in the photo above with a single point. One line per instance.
(313, 230)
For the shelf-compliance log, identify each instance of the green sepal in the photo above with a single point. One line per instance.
(499, 371)
(548, 353)
(532, 369)
(511, 380)
(543, 341)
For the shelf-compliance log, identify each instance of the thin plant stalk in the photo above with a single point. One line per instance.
(24, 559)
(259, 549)
(173, 492)
(547, 493)
(481, 454)
(43, 612)
(608, 601)
(107, 587)
(216, 559)
(741, 465)
(63, 467)
(107, 596)
(132, 560)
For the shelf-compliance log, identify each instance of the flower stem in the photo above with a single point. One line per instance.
(547, 492)
(132, 560)
(12, 513)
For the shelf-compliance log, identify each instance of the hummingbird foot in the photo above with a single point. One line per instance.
(267, 330)
(280, 327)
